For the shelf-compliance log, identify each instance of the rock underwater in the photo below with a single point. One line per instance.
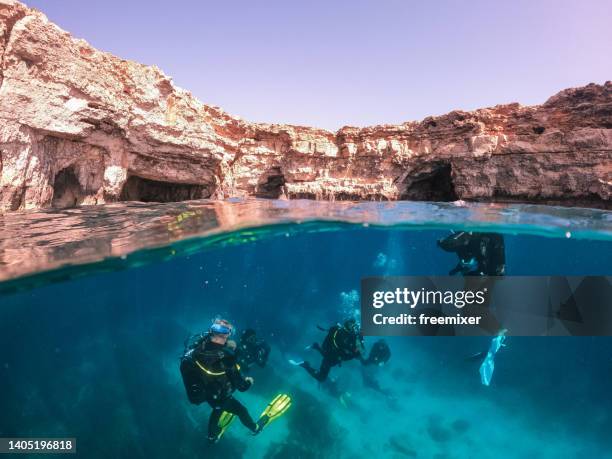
(81, 126)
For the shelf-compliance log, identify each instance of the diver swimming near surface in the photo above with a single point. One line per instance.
(252, 351)
(482, 257)
(212, 374)
(480, 254)
(342, 343)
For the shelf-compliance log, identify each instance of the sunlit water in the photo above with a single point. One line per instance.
(96, 303)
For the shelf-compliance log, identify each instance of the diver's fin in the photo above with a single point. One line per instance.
(275, 409)
(224, 422)
(297, 363)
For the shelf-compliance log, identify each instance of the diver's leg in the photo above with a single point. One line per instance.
(320, 374)
(311, 371)
(213, 424)
(323, 372)
(231, 405)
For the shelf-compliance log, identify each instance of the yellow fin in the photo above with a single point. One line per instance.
(275, 409)
(224, 422)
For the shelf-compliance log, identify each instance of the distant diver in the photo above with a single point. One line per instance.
(482, 258)
(342, 343)
(252, 351)
(379, 354)
(211, 374)
(378, 357)
(488, 364)
(480, 254)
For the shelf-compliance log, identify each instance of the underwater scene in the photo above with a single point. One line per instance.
(99, 309)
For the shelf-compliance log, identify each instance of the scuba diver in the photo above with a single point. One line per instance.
(480, 254)
(481, 258)
(211, 374)
(251, 351)
(342, 343)
(379, 354)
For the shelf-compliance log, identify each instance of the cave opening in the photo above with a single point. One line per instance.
(146, 190)
(67, 191)
(273, 186)
(434, 184)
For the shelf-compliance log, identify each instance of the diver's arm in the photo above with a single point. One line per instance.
(454, 241)
(237, 379)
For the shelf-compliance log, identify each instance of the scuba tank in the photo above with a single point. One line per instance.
(343, 341)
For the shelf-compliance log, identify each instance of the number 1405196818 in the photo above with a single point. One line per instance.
(39, 445)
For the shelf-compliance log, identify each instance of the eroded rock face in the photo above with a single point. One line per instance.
(80, 126)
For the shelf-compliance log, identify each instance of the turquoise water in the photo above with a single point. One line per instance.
(96, 304)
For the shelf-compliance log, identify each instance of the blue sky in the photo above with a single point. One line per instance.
(338, 62)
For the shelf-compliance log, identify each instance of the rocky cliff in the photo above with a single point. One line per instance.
(80, 126)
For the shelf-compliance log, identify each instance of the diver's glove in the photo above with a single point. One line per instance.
(464, 267)
(468, 265)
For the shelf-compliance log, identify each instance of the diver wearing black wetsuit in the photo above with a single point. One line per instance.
(211, 374)
(252, 351)
(480, 254)
(342, 343)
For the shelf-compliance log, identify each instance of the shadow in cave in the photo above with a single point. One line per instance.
(67, 191)
(145, 190)
(272, 187)
(433, 184)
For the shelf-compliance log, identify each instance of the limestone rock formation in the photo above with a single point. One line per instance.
(80, 126)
